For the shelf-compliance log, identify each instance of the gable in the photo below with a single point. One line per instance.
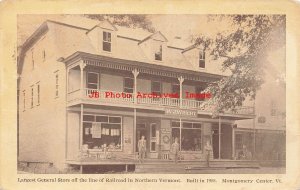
(107, 25)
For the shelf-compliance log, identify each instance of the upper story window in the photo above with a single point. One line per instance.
(106, 44)
(128, 85)
(38, 93)
(32, 94)
(24, 100)
(156, 87)
(202, 59)
(176, 88)
(32, 59)
(56, 84)
(158, 53)
(92, 80)
(273, 108)
(44, 55)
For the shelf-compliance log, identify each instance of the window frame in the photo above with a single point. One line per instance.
(38, 89)
(24, 100)
(201, 59)
(158, 52)
(32, 59)
(98, 80)
(124, 87)
(192, 128)
(106, 34)
(56, 83)
(32, 96)
(108, 122)
(160, 86)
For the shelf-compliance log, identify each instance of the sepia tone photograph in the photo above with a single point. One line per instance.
(155, 93)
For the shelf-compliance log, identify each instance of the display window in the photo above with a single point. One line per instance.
(190, 135)
(102, 132)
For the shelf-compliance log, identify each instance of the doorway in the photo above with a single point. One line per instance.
(215, 143)
(141, 130)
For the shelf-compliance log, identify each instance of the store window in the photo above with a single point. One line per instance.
(92, 80)
(102, 131)
(128, 85)
(106, 41)
(190, 135)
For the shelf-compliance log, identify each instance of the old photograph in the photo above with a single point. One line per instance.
(151, 93)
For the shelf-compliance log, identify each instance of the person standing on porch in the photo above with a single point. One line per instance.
(142, 148)
(207, 149)
(175, 150)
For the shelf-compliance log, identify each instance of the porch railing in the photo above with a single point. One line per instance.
(128, 98)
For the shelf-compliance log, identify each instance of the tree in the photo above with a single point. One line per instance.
(245, 50)
(128, 20)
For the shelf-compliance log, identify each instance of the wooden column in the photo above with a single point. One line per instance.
(180, 79)
(180, 134)
(233, 142)
(254, 133)
(81, 127)
(82, 66)
(135, 74)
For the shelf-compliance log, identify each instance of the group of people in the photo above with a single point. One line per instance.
(175, 150)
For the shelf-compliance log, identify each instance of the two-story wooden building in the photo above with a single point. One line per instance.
(64, 67)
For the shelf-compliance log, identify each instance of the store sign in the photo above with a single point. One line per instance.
(181, 112)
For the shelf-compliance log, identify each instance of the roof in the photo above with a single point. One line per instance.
(79, 41)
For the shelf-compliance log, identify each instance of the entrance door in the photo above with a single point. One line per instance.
(141, 131)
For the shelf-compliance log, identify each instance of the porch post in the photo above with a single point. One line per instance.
(181, 79)
(254, 134)
(233, 142)
(180, 127)
(219, 137)
(135, 74)
(82, 66)
(81, 127)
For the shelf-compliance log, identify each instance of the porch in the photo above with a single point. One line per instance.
(122, 99)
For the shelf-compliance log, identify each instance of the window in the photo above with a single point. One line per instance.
(199, 90)
(31, 103)
(156, 87)
(273, 108)
(176, 89)
(32, 59)
(56, 84)
(101, 131)
(44, 55)
(92, 80)
(128, 85)
(106, 41)
(190, 135)
(24, 100)
(202, 59)
(158, 53)
(38, 93)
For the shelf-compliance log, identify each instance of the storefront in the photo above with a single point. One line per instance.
(114, 130)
